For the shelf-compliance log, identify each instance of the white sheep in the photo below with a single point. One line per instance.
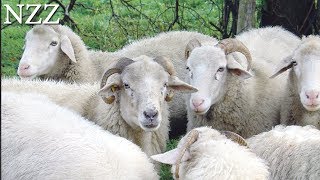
(301, 104)
(41, 140)
(208, 154)
(228, 99)
(133, 101)
(56, 52)
(54, 62)
(292, 152)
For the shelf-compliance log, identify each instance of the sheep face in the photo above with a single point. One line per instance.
(43, 47)
(305, 65)
(143, 94)
(209, 68)
(143, 86)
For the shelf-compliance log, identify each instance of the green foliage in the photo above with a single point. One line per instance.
(11, 49)
(259, 6)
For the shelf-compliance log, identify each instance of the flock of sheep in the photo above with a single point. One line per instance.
(251, 105)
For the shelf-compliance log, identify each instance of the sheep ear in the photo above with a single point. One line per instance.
(170, 157)
(176, 84)
(190, 46)
(237, 69)
(67, 48)
(113, 84)
(284, 65)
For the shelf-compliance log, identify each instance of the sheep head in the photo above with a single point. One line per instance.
(209, 67)
(141, 87)
(44, 46)
(304, 64)
(182, 154)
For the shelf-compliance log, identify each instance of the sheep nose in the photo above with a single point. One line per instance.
(197, 102)
(312, 95)
(24, 66)
(151, 114)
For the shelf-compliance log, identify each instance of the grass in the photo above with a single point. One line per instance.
(165, 172)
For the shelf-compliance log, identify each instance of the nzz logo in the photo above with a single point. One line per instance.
(29, 19)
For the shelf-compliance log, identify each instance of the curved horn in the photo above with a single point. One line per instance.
(118, 68)
(166, 64)
(235, 137)
(190, 46)
(169, 67)
(230, 45)
(192, 137)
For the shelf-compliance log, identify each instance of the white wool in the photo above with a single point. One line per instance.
(292, 152)
(41, 140)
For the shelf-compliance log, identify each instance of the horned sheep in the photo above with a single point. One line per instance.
(232, 97)
(292, 152)
(172, 45)
(301, 103)
(206, 154)
(41, 140)
(66, 58)
(133, 103)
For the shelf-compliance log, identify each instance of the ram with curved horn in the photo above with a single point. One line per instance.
(206, 153)
(232, 76)
(118, 68)
(233, 45)
(130, 102)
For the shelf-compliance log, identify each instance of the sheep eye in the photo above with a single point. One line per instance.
(188, 68)
(221, 69)
(53, 43)
(126, 86)
(294, 63)
(165, 85)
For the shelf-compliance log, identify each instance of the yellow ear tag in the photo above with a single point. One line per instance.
(169, 96)
(108, 100)
(114, 88)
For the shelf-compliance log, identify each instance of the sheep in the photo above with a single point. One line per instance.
(206, 153)
(292, 152)
(89, 65)
(41, 140)
(172, 45)
(56, 52)
(65, 56)
(130, 101)
(301, 102)
(232, 97)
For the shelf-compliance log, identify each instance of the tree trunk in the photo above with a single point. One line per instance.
(317, 21)
(297, 16)
(246, 15)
